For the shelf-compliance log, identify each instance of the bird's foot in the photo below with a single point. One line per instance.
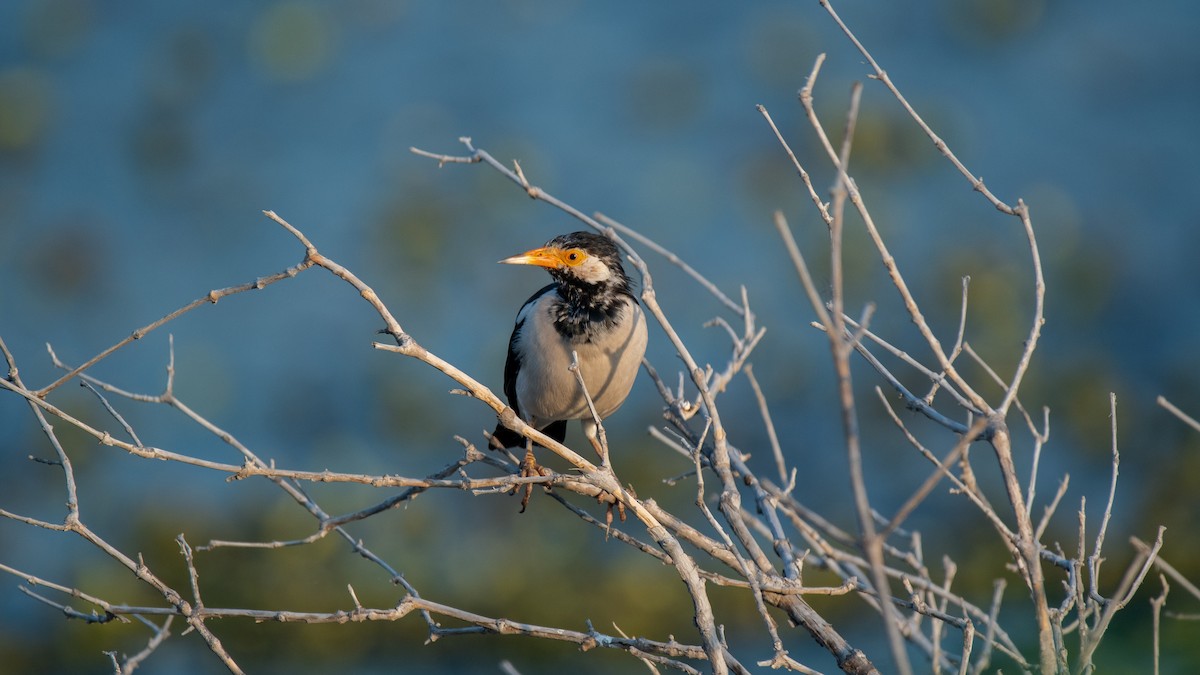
(608, 513)
(614, 503)
(598, 448)
(530, 467)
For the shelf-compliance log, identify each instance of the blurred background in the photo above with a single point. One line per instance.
(139, 143)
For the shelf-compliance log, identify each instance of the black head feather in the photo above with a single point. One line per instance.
(595, 244)
(599, 247)
(589, 307)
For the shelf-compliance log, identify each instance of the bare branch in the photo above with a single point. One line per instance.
(1156, 605)
(210, 298)
(776, 450)
(1167, 568)
(882, 76)
(1094, 559)
(674, 259)
(1170, 407)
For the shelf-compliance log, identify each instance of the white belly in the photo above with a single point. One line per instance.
(548, 391)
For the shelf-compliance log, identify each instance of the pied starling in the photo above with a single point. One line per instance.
(589, 309)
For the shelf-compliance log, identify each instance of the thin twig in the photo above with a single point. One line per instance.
(772, 437)
(1167, 568)
(210, 298)
(1156, 605)
(1170, 407)
(1094, 560)
(674, 259)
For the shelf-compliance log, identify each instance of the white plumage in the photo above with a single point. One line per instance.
(547, 391)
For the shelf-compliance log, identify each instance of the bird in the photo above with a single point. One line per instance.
(589, 309)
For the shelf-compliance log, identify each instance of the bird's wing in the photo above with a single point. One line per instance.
(503, 436)
(512, 365)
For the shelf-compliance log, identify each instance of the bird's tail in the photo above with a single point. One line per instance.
(503, 437)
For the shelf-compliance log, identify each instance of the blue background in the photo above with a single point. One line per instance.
(139, 143)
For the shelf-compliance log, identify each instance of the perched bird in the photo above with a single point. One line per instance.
(589, 309)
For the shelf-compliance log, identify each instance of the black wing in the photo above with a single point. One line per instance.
(512, 365)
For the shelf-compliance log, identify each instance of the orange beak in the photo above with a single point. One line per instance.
(542, 257)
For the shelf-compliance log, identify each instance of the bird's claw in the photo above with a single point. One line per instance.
(615, 503)
(608, 513)
(530, 467)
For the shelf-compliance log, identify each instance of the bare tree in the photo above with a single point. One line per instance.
(759, 538)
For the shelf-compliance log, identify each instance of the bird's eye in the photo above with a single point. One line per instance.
(574, 257)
